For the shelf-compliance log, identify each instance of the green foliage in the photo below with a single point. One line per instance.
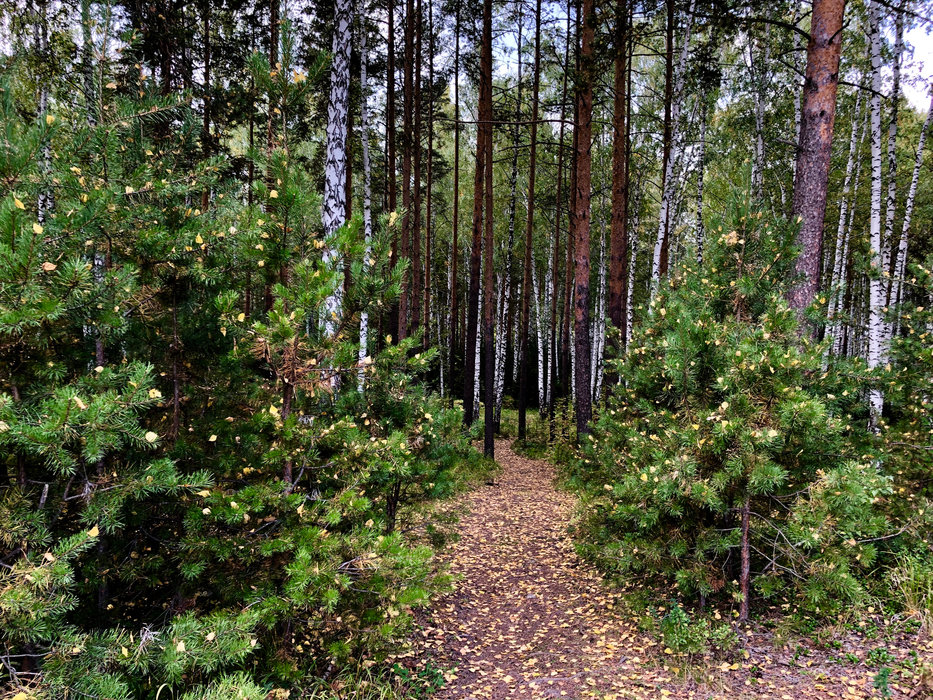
(722, 405)
(911, 582)
(200, 496)
(681, 633)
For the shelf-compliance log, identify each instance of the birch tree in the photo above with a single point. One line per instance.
(876, 326)
(367, 194)
(527, 266)
(668, 189)
(839, 255)
(901, 257)
(334, 205)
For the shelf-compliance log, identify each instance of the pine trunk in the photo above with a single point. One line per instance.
(527, 266)
(407, 148)
(618, 243)
(814, 148)
(581, 222)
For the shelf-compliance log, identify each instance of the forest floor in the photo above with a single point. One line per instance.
(528, 618)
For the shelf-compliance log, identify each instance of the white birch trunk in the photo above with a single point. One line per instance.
(701, 171)
(846, 331)
(667, 194)
(333, 212)
(540, 333)
(599, 327)
(901, 261)
(876, 331)
(367, 206)
(891, 201)
(632, 258)
(501, 344)
(759, 75)
(838, 267)
(798, 91)
(477, 364)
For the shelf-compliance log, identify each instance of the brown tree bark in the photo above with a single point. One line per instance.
(529, 230)
(206, 125)
(472, 329)
(392, 197)
(270, 125)
(745, 563)
(581, 221)
(618, 235)
(668, 135)
(407, 146)
(416, 290)
(429, 180)
(815, 147)
(553, 372)
(391, 155)
(455, 246)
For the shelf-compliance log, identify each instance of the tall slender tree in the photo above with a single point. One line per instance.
(334, 207)
(489, 290)
(618, 239)
(876, 284)
(529, 232)
(814, 148)
(581, 220)
(407, 151)
(472, 340)
(455, 215)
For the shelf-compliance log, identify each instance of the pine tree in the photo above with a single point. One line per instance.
(730, 464)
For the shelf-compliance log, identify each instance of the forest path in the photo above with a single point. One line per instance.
(528, 618)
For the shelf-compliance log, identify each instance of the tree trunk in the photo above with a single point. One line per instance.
(392, 197)
(335, 171)
(891, 202)
(206, 124)
(529, 231)
(472, 341)
(618, 239)
(416, 283)
(701, 171)
(673, 94)
(455, 246)
(745, 574)
(814, 149)
(557, 232)
(391, 155)
(875, 351)
(759, 77)
(428, 228)
(367, 196)
(489, 292)
(838, 262)
(581, 222)
(407, 146)
(901, 259)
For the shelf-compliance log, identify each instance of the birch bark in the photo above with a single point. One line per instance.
(876, 329)
(335, 170)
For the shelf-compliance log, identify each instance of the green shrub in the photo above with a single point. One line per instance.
(724, 410)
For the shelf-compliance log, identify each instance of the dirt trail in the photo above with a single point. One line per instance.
(529, 619)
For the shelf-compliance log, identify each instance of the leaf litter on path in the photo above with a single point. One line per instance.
(528, 618)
